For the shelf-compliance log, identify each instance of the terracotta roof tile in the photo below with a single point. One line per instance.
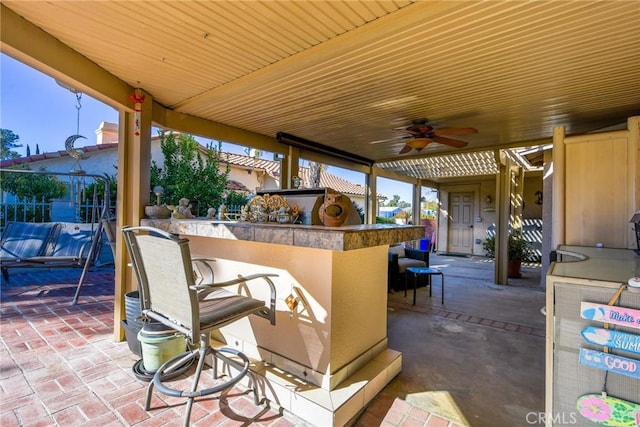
(236, 185)
(332, 181)
(52, 155)
(271, 167)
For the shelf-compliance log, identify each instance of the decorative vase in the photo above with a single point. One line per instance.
(295, 182)
(334, 211)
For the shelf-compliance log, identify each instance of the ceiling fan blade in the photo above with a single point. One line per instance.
(450, 142)
(455, 131)
(405, 149)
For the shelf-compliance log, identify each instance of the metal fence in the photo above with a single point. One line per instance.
(63, 210)
(82, 203)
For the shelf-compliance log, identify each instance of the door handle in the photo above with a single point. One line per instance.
(471, 226)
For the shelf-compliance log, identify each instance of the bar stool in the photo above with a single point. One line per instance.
(424, 271)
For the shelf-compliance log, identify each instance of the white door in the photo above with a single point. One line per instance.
(461, 223)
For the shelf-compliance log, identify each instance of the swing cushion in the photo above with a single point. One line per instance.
(50, 244)
(73, 240)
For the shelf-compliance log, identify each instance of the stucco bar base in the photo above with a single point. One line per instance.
(327, 358)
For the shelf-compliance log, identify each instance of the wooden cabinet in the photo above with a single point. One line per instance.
(590, 275)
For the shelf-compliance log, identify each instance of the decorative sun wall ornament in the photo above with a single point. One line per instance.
(137, 98)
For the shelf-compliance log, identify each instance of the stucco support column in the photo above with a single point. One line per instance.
(503, 202)
(633, 124)
(134, 165)
(290, 167)
(547, 222)
(372, 197)
(517, 197)
(558, 209)
(417, 193)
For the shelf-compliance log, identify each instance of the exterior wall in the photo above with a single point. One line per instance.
(486, 209)
(599, 187)
(250, 178)
(532, 185)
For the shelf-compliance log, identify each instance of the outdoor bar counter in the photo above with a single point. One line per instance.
(325, 359)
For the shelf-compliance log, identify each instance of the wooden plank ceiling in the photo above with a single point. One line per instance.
(347, 73)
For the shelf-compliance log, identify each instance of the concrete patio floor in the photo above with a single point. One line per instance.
(477, 360)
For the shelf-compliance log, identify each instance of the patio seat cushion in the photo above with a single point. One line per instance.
(405, 262)
(73, 240)
(24, 240)
(398, 250)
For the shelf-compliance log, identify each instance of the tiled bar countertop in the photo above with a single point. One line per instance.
(310, 236)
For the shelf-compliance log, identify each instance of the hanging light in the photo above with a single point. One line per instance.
(418, 143)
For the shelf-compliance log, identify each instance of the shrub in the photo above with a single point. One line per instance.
(190, 172)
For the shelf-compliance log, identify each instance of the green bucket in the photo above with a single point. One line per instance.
(160, 346)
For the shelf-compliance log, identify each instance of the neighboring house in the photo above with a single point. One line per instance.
(247, 174)
(388, 211)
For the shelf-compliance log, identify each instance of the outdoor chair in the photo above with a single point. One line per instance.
(400, 258)
(172, 293)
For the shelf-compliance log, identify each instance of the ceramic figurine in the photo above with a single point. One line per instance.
(211, 213)
(184, 208)
(175, 212)
(295, 182)
(222, 212)
(244, 213)
(333, 212)
(283, 215)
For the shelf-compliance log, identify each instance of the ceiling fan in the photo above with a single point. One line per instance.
(420, 134)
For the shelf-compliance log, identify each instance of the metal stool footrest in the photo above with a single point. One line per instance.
(171, 364)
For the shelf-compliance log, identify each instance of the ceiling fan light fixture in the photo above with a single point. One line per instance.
(418, 143)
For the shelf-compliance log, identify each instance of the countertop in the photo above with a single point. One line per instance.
(605, 264)
(343, 238)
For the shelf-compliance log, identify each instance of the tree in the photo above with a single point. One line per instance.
(315, 170)
(26, 186)
(394, 201)
(190, 173)
(37, 149)
(8, 141)
(28, 150)
(32, 187)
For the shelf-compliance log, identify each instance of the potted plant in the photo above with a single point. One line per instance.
(518, 249)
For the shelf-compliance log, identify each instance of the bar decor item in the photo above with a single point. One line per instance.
(334, 211)
(608, 410)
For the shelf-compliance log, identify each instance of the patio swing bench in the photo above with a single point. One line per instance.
(47, 244)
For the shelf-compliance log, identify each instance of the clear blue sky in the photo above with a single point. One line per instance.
(41, 112)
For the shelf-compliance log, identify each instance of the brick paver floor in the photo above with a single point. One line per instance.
(59, 366)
